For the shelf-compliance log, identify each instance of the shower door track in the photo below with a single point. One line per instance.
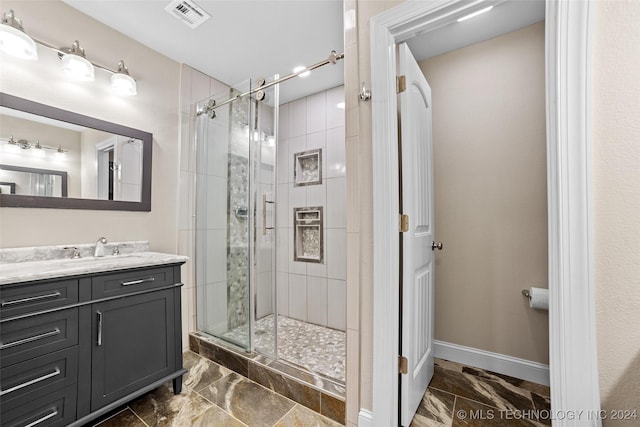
(332, 59)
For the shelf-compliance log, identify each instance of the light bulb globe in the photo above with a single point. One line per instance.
(17, 43)
(123, 84)
(78, 67)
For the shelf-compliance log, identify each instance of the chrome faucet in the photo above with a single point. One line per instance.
(100, 247)
(76, 252)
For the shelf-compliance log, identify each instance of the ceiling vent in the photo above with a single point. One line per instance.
(188, 12)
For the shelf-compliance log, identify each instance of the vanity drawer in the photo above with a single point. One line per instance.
(28, 298)
(53, 371)
(52, 409)
(131, 281)
(34, 336)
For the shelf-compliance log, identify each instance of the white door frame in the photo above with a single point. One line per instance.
(572, 347)
(102, 175)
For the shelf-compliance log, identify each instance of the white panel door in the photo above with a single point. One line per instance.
(417, 255)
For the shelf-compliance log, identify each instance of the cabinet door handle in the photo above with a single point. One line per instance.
(99, 328)
(137, 282)
(56, 372)
(56, 331)
(29, 299)
(43, 419)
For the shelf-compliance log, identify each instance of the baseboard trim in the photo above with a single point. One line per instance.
(365, 418)
(500, 363)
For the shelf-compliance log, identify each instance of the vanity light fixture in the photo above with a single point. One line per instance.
(471, 15)
(39, 150)
(14, 41)
(26, 145)
(75, 64)
(122, 83)
(21, 143)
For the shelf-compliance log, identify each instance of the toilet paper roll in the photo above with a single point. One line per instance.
(539, 298)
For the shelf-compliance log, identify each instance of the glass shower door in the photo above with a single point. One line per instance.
(263, 136)
(231, 252)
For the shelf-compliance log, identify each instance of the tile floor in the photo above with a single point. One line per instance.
(212, 395)
(460, 395)
(310, 389)
(316, 348)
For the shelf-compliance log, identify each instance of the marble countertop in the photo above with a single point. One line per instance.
(26, 271)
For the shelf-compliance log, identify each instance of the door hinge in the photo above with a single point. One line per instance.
(403, 365)
(401, 84)
(404, 223)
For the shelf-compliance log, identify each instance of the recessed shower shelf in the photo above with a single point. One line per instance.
(308, 234)
(307, 168)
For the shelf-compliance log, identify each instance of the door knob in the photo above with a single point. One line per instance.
(437, 246)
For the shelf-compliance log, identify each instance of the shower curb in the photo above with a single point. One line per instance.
(314, 391)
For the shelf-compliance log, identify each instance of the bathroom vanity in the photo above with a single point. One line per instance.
(80, 337)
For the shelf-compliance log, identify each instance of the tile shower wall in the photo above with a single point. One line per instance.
(237, 264)
(313, 292)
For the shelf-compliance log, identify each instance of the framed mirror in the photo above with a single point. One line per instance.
(52, 158)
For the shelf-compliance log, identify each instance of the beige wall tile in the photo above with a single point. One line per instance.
(350, 20)
(353, 184)
(353, 392)
(353, 281)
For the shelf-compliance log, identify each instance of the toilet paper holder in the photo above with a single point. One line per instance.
(538, 298)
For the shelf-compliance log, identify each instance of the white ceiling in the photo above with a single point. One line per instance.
(244, 39)
(248, 39)
(503, 18)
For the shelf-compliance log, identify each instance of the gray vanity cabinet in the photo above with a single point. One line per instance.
(134, 345)
(73, 349)
(39, 353)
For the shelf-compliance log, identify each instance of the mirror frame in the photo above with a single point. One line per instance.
(20, 201)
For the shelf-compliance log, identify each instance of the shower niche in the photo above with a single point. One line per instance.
(308, 234)
(307, 168)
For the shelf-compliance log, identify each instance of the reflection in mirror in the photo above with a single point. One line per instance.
(104, 165)
(100, 165)
(32, 182)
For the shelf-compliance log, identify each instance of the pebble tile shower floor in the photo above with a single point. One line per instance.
(316, 348)
(215, 396)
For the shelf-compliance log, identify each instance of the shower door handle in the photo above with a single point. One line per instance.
(264, 214)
